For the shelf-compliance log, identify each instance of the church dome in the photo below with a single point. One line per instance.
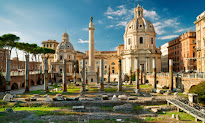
(65, 44)
(139, 23)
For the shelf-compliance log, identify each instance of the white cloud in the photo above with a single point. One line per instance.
(100, 21)
(82, 41)
(6, 21)
(151, 14)
(110, 17)
(122, 23)
(121, 11)
(85, 29)
(171, 22)
(185, 29)
(109, 26)
(168, 37)
(115, 48)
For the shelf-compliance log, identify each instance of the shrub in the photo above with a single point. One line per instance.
(200, 90)
(133, 76)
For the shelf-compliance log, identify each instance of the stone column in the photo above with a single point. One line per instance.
(91, 46)
(8, 76)
(75, 74)
(98, 75)
(108, 74)
(83, 76)
(64, 76)
(137, 74)
(41, 82)
(130, 78)
(52, 75)
(154, 74)
(119, 76)
(27, 74)
(102, 75)
(141, 74)
(170, 74)
(46, 75)
(86, 78)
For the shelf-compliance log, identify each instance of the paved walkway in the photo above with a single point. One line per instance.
(32, 88)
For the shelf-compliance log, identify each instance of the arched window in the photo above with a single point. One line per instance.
(112, 63)
(141, 40)
(152, 41)
(129, 41)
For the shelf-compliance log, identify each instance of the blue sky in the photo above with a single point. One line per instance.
(39, 20)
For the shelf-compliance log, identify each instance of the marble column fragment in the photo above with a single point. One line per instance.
(108, 74)
(64, 76)
(119, 76)
(46, 75)
(98, 72)
(83, 76)
(137, 74)
(141, 74)
(27, 74)
(130, 78)
(41, 81)
(102, 75)
(154, 73)
(52, 75)
(170, 74)
(8, 76)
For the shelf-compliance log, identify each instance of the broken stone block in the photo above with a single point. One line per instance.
(36, 95)
(78, 108)
(123, 108)
(122, 97)
(8, 98)
(155, 110)
(33, 98)
(132, 98)
(105, 97)
(114, 97)
(177, 117)
(48, 99)
(69, 99)
(159, 91)
(176, 94)
(58, 98)
(173, 115)
(27, 99)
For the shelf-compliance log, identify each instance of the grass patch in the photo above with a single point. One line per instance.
(107, 108)
(183, 115)
(34, 108)
(137, 107)
(110, 90)
(129, 85)
(145, 86)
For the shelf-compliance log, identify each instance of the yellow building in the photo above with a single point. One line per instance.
(200, 42)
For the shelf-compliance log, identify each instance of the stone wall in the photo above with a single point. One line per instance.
(183, 82)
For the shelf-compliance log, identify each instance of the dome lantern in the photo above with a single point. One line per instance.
(138, 12)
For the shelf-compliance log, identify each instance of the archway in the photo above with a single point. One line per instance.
(14, 86)
(38, 82)
(32, 82)
(60, 81)
(23, 84)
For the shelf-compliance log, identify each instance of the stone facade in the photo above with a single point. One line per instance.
(200, 42)
(140, 42)
(164, 57)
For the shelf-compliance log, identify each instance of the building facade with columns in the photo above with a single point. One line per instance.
(140, 42)
(63, 50)
(200, 42)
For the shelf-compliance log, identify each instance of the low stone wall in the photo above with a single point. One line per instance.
(182, 82)
(94, 103)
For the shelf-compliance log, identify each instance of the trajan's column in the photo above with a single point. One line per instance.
(91, 74)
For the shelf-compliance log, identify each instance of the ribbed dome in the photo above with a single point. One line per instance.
(64, 45)
(139, 25)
